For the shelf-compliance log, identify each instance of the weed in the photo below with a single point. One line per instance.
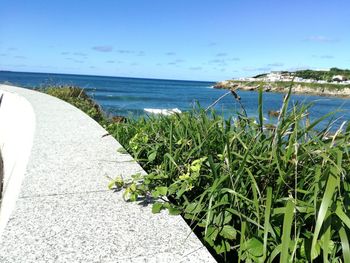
(255, 194)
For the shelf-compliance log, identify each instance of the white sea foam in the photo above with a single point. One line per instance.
(163, 111)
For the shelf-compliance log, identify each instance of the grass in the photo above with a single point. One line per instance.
(252, 194)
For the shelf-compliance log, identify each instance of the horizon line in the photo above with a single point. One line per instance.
(108, 76)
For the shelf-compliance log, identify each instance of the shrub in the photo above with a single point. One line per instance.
(253, 194)
(252, 191)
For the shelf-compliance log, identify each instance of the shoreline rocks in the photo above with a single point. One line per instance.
(298, 88)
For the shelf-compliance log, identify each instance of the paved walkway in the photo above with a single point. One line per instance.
(65, 213)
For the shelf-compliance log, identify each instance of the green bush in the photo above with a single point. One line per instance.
(283, 86)
(254, 194)
(322, 75)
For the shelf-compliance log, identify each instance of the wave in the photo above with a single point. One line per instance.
(162, 111)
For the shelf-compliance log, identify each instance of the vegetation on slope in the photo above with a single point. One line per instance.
(285, 85)
(253, 194)
(322, 75)
(315, 74)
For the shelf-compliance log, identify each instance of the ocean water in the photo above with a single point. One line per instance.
(131, 96)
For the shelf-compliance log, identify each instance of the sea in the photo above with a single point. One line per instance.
(135, 97)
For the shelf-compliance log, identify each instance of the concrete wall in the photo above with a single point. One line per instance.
(1, 176)
(64, 211)
(17, 121)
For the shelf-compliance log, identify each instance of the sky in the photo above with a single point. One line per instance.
(182, 39)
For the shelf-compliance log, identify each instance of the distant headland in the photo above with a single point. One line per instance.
(327, 82)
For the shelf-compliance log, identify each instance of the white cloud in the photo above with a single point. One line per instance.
(103, 48)
(320, 39)
(276, 64)
(195, 68)
(170, 53)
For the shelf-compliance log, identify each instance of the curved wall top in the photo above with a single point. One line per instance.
(64, 211)
(17, 123)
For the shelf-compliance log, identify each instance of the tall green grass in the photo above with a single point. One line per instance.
(253, 194)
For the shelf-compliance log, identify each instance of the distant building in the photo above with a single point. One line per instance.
(286, 76)
(274, 76)
(323, 69)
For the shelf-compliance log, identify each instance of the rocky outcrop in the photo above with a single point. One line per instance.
(118, 119)
(298, 88)
(226, 84)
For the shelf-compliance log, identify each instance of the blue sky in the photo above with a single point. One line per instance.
(183, 39)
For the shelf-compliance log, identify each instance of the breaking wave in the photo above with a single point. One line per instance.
(162, 111)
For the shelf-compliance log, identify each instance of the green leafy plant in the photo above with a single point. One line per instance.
(254, 194)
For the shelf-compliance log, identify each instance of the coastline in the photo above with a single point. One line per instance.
(329, 90)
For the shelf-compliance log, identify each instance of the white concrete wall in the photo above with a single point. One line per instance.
(17, 124)
(64, 211)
